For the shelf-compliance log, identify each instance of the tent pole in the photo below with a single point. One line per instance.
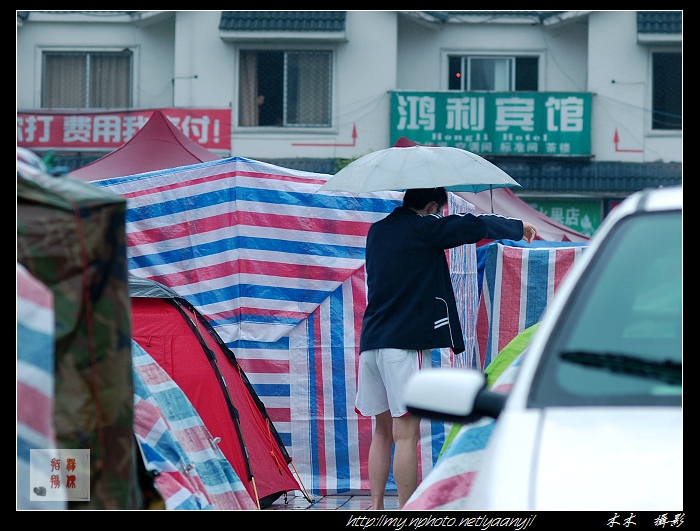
(491, 192)
(209, 353)
(306, 494)
(255, 489)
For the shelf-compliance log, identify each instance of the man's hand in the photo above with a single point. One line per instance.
(529, 232)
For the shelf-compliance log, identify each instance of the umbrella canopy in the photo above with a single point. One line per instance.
(401, 168)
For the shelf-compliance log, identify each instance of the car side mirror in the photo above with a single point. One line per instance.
(452, 395)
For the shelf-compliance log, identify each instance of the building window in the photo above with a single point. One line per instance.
(92, 80)
(285, 89)
(667, 91)
(494, 73)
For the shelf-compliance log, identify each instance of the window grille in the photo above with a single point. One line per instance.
(285, 88)
(667, 91)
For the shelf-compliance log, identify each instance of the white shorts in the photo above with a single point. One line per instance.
(381, 378)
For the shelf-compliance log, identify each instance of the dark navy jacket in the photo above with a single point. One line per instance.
(411, 303)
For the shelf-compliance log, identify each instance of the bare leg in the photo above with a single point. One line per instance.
(380, 458)
(406, 433)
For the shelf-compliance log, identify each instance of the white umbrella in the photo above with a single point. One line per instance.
(401, 168)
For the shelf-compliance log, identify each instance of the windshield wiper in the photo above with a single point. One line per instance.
(667, 370)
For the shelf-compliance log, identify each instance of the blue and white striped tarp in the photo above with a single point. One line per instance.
(450, 482)
(278, 269)
(190, 471)
(519, 280)
(35, 381)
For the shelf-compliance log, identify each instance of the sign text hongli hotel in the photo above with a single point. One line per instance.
(498, 123)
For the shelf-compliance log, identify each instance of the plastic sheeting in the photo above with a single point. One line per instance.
(278, 269)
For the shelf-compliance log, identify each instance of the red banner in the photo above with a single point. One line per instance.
(106, 131)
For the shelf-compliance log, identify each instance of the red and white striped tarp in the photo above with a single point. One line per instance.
(449, 484)
(35, 381)
(191, 472)
(278, 269)
(518, 282)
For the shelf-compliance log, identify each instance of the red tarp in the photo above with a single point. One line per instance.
(158, 145)
(506, 203)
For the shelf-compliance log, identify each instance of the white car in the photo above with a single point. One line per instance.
(594, 418)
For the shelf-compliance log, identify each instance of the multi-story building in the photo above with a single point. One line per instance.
(582, 108)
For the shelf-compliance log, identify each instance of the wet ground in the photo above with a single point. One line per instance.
(335, 502)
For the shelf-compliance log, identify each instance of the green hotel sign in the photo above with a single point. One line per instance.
(498, 123)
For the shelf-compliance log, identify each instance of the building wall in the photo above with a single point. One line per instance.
(422, 51)
(152, 45)
(566, 56)
(384, 51)
(364, 72)
(619, 74)
(200, 52)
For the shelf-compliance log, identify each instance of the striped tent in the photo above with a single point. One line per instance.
(35, 382)
(278, 269)
(190, 471)
(519, 279)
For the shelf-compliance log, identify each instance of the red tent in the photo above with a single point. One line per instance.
(183, 342)
(157, 146)
(504, 202)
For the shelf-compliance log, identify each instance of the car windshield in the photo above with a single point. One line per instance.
(619, 340)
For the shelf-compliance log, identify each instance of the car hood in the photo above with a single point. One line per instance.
(602, 459)
(610, 459)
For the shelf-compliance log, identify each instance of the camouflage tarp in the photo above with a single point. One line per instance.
(71, 236)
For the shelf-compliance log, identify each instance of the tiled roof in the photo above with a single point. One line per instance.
(537, 14)
(282, 21)
(457, 17)
(592, 177)
(659, 21)
(589, 177)
(585, 177)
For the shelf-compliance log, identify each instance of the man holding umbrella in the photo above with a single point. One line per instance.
(411, 310)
